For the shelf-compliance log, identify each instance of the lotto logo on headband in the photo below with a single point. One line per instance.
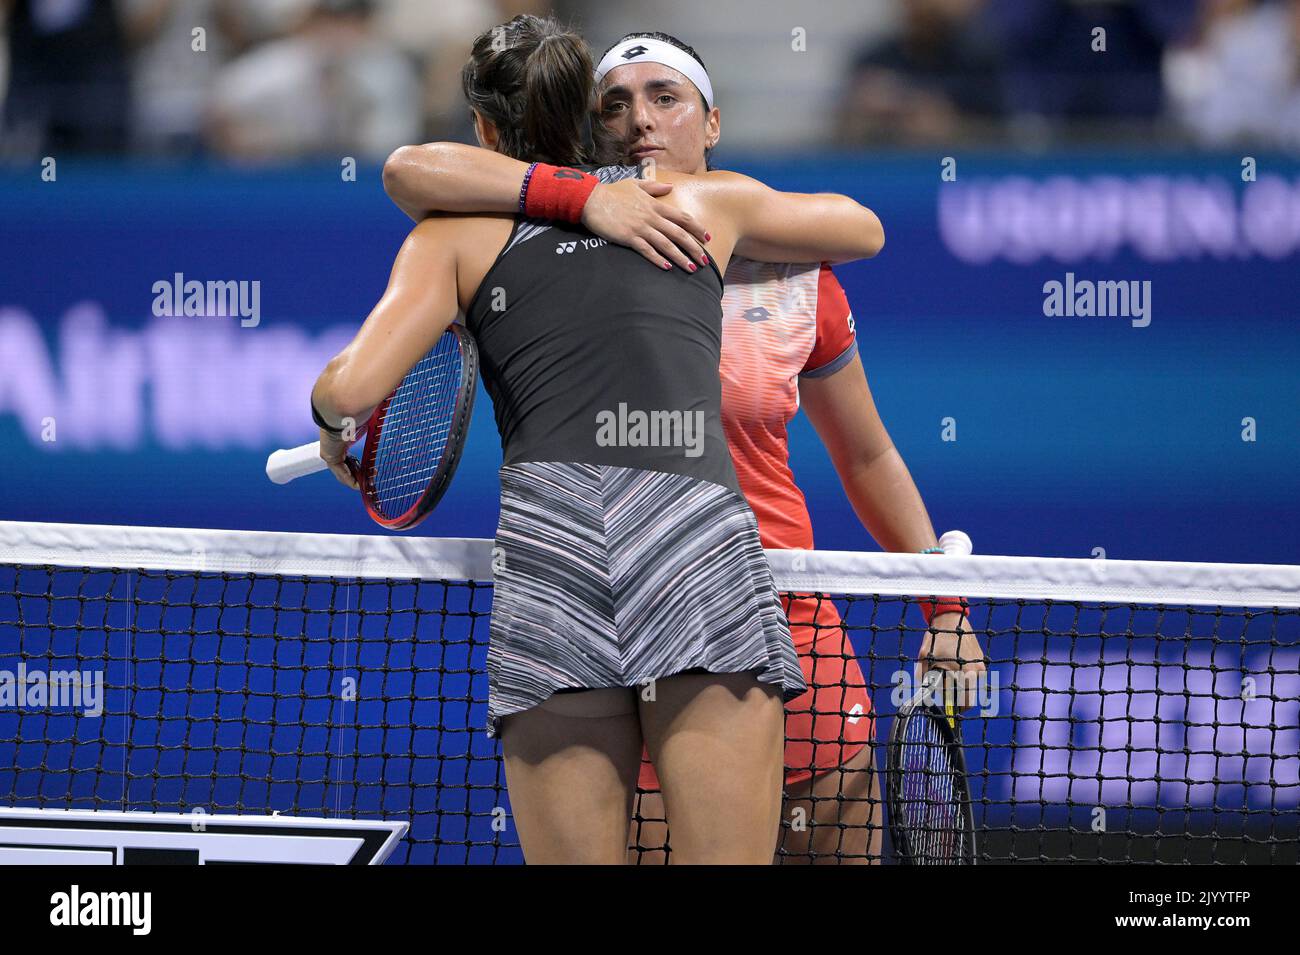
(650, 50)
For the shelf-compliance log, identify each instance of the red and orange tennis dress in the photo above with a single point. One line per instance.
(782, 323)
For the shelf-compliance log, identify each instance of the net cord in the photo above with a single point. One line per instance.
(1102, 580)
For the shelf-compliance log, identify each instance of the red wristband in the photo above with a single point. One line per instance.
(558, 192)
(932, 607)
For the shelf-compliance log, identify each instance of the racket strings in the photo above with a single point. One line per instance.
(414, 429)
(931, 796)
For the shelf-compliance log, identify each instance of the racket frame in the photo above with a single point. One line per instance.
(945, 725)
(446, 469)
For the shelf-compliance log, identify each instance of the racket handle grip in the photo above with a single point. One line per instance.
(955, 542)
(290, 464)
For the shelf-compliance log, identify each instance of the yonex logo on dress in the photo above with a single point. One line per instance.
(635, 51)
(564, 247)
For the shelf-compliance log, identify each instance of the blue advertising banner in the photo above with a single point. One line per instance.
(1071, 352)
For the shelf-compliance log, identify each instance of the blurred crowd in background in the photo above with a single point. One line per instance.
(253, 81)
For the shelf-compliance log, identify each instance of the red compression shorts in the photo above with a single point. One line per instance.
(830, 723)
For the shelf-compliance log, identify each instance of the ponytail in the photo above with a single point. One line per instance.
(533, 80)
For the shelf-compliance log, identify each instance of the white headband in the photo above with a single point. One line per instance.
(644, 49)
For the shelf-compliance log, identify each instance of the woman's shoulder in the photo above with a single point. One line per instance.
(463, 232)
(444, 225)
(719, 185)
(471, 241)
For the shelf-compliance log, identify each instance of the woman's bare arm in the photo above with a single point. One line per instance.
(885, 498)
(416, 308)
(774, 226)
(453, 177)
(874, 476)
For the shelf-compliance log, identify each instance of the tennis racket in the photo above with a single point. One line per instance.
(930, 816)
(413, 438)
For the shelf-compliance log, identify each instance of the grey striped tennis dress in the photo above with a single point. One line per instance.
(626, 552)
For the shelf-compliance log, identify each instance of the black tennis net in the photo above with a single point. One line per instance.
(1133, 711)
